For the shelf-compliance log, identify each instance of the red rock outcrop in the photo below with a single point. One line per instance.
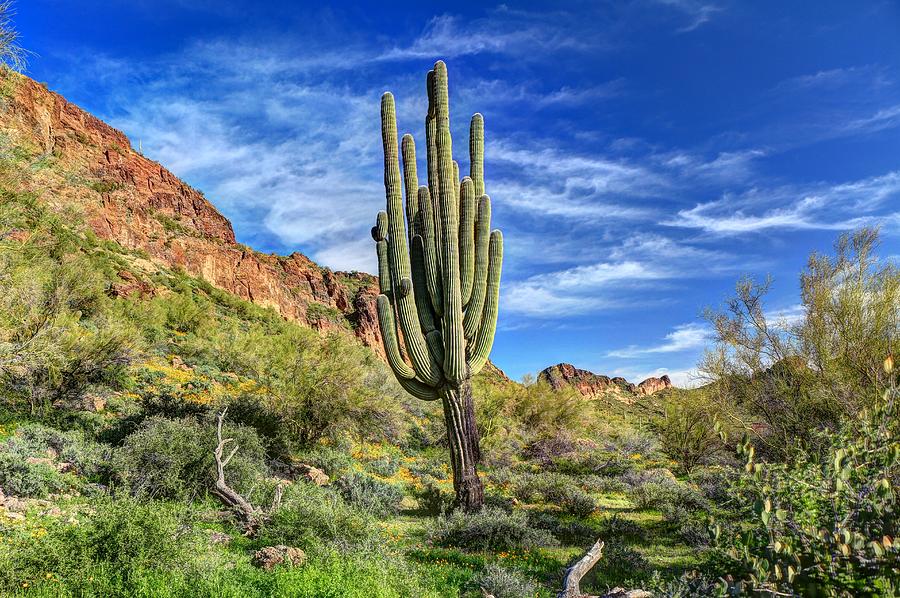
(127, 198)
(590, 384)
(653, 385)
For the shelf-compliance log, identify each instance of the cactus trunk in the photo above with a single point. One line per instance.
(462, 438)
(439, 265)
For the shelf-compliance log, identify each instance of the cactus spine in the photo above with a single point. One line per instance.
(439, 268)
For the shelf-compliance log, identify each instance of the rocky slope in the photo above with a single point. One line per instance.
(81, 162)
(590, 384)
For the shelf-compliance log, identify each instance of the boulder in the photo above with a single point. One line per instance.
(271, 556)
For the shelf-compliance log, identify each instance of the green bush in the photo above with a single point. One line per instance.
(309, 515)
(369, 493)
(122, 536)
(554, 489)
(824, 524)
(173, 458)
(33, 459)
(432, 498)
(489, 529)
(504, 583)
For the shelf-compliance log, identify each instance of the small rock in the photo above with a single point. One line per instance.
(311, 474)
(271, 556)
(219, 538)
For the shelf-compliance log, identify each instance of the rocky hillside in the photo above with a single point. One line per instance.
(84, 163)
(592, 385)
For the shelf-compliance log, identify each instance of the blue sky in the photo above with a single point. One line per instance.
(641, 155)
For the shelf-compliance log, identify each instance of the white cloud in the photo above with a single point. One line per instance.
(823, 207)
(683, 338)
(696, 12)
(632, 273)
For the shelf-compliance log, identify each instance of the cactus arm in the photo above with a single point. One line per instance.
(432, 156)
(454, 341)
(419, 390)
(389, 335)
(474, 309)
(432, 271)
(410, 182)
(476, 153)
(420, 287)
(436, 344)
(467, 207)
(384, 270)
(425, 367)
(485, 337)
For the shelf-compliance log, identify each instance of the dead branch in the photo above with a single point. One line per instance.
(571, 587)
(229, 497)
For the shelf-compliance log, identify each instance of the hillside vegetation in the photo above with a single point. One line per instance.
(779, 476)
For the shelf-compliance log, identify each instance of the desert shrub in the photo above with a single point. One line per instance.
(689, 429)
(620, 562)
(309, 515)
(22, 478)
(38, 461)
(503, 583)
(88, 458)
(333, 460)
(689, 524)
(173, 458)
(602, 484)
(555, 489)
(714, 483)
(122, 536)
(567, 532)
(367, 492)
(787, 380)
(692, 584)
(315, 387)
(385, 465)
(433, 499)
(832, 518)
(596, 462)
(618, 528)
(489, 529)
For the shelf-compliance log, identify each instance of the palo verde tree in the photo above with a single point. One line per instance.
(439, 269)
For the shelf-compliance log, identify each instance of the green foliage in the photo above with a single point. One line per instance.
(689, 429)
(370, 493)
(827, 523)
(310, 515)
(784, 380)
(37, 461)
(169, 458)
(489, 529)
(122, 536)
(556, 489)
(504, 583)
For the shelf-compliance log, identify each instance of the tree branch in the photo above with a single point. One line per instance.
(571, 587)
(229, 497)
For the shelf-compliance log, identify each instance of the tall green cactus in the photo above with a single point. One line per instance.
(439, 269)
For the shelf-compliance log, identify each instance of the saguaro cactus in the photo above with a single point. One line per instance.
(439, 269)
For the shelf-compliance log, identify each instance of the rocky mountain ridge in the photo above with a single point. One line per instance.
(80, 161)
(591, 385)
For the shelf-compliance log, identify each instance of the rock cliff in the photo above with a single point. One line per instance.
(132, 200)
(590, 384)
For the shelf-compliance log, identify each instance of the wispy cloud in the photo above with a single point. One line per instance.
(695, 12)
(814, 207)
(683, 338)
(632, 274)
